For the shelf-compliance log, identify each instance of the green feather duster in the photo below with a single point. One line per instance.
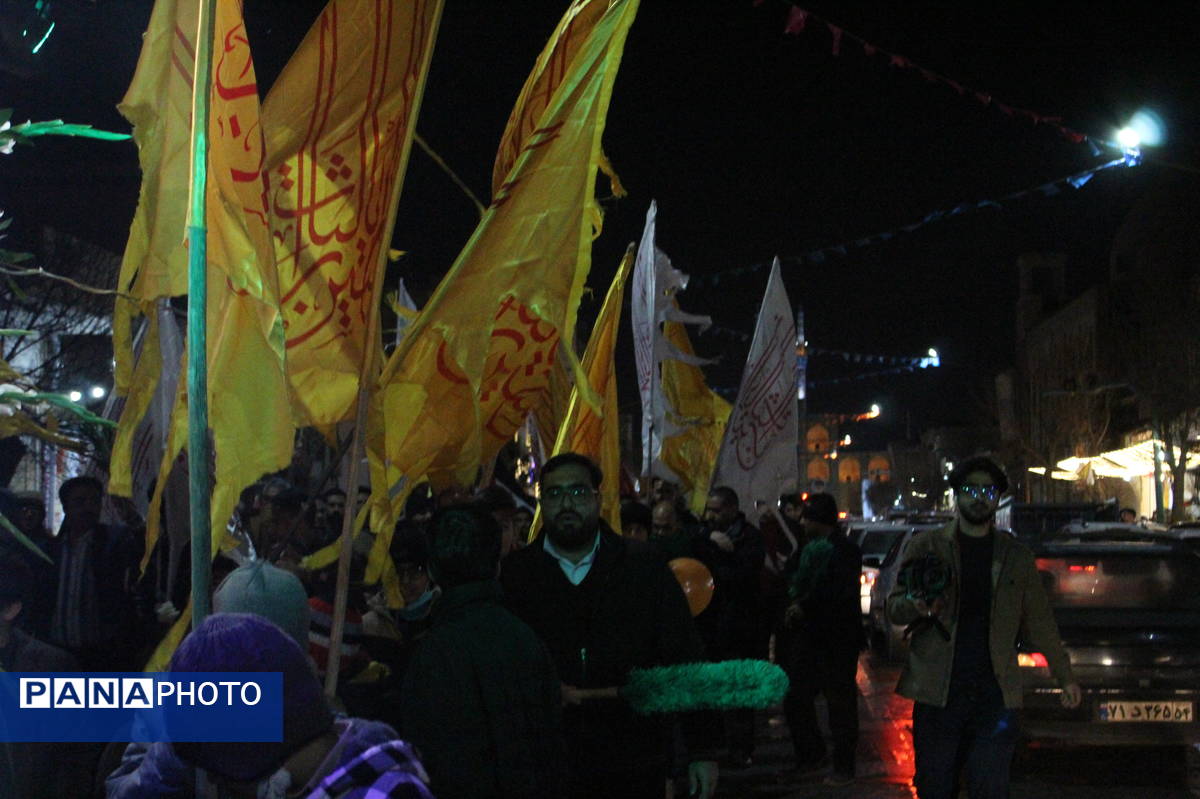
(705, 686)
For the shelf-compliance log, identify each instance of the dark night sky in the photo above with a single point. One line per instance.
(754, 143)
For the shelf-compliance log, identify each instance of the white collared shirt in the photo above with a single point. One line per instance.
(575, 572)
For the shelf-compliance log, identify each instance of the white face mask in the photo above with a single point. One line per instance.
(420, 608)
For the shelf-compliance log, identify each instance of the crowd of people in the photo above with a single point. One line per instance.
(481, 685)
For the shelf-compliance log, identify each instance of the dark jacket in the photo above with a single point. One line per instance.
(731, 625)
(1019, 609)
(49, 770)
(482, 702)
(831, 611)
(629, 612)
(116, 559)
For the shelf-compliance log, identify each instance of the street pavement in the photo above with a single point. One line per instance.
(885, 759)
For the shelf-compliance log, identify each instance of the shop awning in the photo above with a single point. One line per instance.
(1127, 463)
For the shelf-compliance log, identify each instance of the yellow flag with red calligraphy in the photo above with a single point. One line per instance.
(700, 415)
(339, 125)
(249, 405)
(551, 69)
(594, 432)
(478, 357)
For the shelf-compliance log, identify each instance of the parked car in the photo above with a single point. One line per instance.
(1128, 611)
(885, 637)
(873, 539)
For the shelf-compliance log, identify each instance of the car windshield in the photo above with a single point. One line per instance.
(878, 542)
(1126, 580)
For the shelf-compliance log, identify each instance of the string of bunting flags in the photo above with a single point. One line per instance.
(797, 23)
(1130, 157)
(731, 391)
(920, 361)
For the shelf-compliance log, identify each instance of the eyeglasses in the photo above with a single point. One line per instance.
(980, 492)
(575, 492)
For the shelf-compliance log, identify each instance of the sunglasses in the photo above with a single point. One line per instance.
(980, 492)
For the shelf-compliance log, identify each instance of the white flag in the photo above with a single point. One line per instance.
(655, 284)
(758, 454)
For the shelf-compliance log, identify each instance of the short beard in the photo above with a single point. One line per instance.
(571, 538)
(974, 518)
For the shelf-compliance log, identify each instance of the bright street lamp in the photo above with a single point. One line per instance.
(1128, 138)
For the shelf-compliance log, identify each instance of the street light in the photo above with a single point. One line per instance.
(1128, 138)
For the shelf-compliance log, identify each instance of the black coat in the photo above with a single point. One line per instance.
(42, 770)
(629, 612)
(481, 701)
(116, 560)
(832, 612)
(732, 623)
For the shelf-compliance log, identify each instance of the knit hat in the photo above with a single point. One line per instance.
(822, 508)
(268, 591)
(409, 544)
(246, 642)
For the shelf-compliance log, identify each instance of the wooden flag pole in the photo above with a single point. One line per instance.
(338, 627)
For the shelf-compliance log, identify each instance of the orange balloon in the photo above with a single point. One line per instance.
(696, 581)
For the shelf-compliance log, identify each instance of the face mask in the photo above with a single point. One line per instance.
(421, 607)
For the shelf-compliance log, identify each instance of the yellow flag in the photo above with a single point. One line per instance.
(249, 406)
(550, 70)
(478, 357)
(693, 406)
(339, 125)
(595, 433)
(159, 106)
(249, 403)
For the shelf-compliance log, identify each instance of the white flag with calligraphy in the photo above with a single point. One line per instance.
(758, 454)
(652, 302)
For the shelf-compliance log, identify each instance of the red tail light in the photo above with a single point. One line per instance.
(866, 579)
(1033, 660)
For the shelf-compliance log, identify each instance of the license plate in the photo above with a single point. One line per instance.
(1146, 711)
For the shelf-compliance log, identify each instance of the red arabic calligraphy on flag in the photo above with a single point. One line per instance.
(338, 133)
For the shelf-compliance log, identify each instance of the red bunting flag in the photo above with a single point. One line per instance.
(837, 37)
(796, 20)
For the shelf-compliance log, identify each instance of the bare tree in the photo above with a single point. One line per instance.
(1156, 265)
(61, 318)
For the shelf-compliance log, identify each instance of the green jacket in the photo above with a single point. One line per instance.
(1019, 610)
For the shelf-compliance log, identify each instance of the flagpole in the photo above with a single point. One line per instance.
(197, 332)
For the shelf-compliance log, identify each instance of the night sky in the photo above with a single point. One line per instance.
(754, 143)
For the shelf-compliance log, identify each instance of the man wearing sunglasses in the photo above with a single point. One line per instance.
(603, 605)
(966, 687)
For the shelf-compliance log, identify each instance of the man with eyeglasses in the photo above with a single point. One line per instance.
(604, 605)
(962, 674)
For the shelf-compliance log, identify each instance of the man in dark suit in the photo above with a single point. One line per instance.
(604, 605)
